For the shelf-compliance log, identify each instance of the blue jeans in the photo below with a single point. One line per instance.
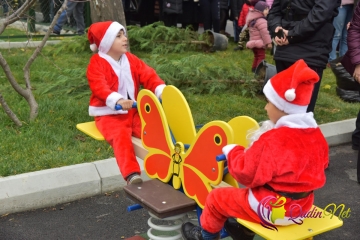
(237, 31)
(340, 36)
(77, 9)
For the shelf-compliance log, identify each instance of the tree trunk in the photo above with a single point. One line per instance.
(107, 10)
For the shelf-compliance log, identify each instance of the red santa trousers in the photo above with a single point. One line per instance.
(117, 131)
(259, 55)
(223, 203)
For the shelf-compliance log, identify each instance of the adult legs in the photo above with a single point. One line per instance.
(64, 15)
(348, 9)
(236, 31)
(338, 22)
(223, 19)
(205, 12)
(210, 11)
(78, 14)
(215, 15)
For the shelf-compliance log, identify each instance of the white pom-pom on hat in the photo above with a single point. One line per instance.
(290, 95)
(93, 47)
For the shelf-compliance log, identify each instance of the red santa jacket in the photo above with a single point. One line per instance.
(243, 14)
(110, 81)
(290, 158)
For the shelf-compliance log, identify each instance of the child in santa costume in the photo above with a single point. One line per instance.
(286, 159)
(115, 77)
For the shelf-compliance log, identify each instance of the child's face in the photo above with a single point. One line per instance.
(119, 46)
(273, 112)
(266, 11)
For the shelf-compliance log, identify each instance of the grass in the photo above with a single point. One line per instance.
(52, 140)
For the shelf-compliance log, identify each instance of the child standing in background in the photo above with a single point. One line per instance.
(258, 31)
(244, 32)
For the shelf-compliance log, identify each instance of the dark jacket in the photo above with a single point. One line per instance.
(352, 56)
(310, 25)
(224, 4)
(235, 7)
(172, 6)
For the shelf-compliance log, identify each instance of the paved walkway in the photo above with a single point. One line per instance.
(105, 216)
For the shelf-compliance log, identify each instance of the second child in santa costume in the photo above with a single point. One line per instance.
(287, 159)
(115, 77)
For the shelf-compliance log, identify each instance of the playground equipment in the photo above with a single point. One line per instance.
(182, 162)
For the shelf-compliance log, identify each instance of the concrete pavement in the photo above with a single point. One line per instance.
(60, 185)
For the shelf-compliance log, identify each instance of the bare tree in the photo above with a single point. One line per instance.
(27, 91)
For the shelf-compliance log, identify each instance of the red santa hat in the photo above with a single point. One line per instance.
(291, 90)
(101, 35)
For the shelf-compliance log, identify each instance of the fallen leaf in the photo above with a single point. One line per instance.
(327, 86)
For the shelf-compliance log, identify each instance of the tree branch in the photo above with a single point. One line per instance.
(8, 111)
(17, 14)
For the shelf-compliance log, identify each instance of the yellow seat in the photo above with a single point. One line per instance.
(309, 228)
(89, 128)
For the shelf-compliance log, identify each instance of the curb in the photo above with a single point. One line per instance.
(26, 44)
(60, 185)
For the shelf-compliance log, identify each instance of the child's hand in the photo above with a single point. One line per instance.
(125, 104)
(269, 46)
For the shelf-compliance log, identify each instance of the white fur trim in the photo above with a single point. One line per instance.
(290, 95)
(93, 47)
(300, 120)
(109, 36)
(159, 90)
(112, 99)
(101, 111)
(123, 71)
(228, 148)
(281, 103)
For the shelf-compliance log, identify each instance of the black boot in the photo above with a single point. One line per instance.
(190, 231)
(238, 231)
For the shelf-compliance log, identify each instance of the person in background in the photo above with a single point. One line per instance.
(171, 12)
(340, 23)
(224, 16)
(353, 65)
(190, 14)
(115, 77)
(307, 34)
(235, 9)
(210, 12)
(75, 8)
(258, 31)
(244, 33)
(286, 159)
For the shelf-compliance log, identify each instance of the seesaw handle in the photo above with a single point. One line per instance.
(220, 157)
(134, 207)
(119, 107)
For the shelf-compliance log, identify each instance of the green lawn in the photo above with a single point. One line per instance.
(52, 140)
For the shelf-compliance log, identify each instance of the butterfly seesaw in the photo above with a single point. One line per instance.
(177, 152)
